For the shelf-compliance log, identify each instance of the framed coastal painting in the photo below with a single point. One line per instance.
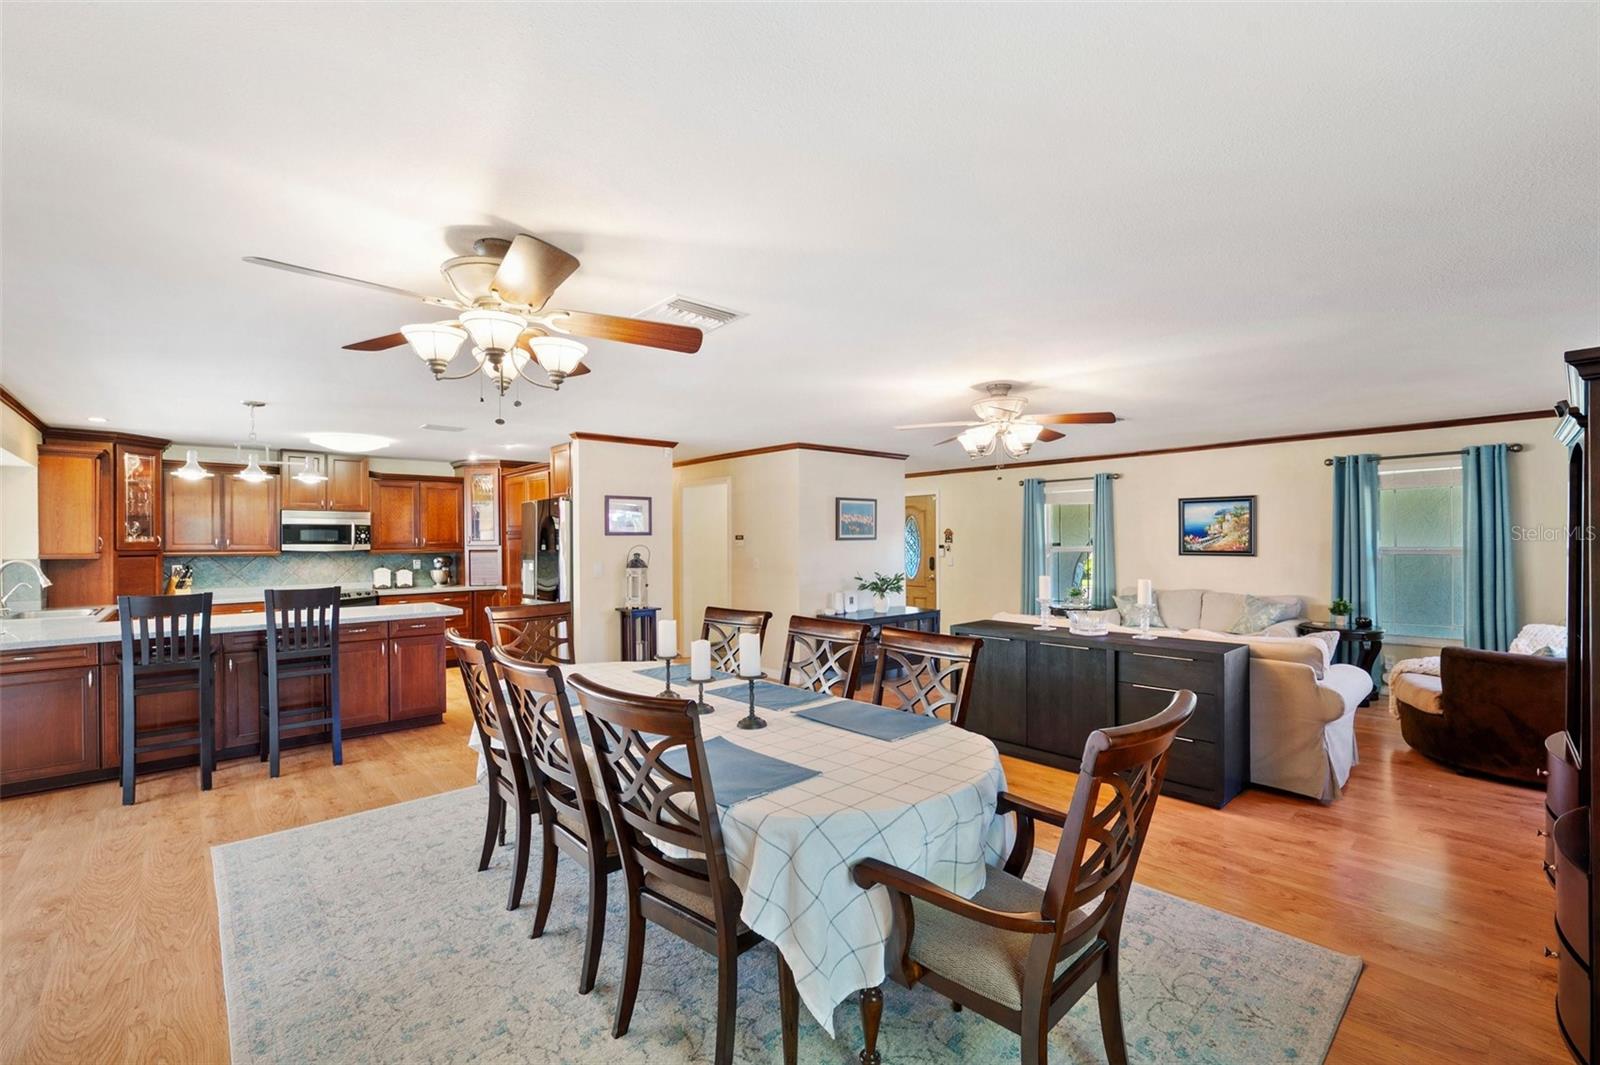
(627, 515)
(855, 519)
(1223, 525)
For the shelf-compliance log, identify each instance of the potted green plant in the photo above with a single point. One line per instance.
(1339, 613)
(880, 586)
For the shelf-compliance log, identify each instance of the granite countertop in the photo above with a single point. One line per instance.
(23, 634)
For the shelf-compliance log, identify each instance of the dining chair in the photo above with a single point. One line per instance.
(935, 672)
(1020, 955)
(302, 642)
(166, 647)
(660, 813)
(723, 626)
(509, 780)
(822, 653)
(537, 633)
(572, 816)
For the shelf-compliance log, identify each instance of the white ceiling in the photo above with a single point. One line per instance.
(1218, 221)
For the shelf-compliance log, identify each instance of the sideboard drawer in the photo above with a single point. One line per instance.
(364, 630)
(31, 659)
(1192, 762)
(417, 627)
(1135, 702)
(1166, 669)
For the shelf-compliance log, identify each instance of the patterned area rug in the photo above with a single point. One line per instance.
(374, 938)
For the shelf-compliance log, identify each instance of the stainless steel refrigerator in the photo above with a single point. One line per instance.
(547, 551)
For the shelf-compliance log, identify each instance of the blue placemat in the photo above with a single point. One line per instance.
(738, 773)
(680, 675)
(770, 696)
(870, 720)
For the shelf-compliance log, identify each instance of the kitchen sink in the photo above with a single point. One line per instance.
(89, 613)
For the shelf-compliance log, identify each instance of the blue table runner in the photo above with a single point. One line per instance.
(738, 773)
(869, 720)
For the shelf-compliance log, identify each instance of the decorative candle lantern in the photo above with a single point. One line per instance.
(636, 574)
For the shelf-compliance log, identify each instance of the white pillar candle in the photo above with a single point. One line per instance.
(1147, 595)
(749, 654)
(1044, 586)
(667, 638)
(838, 602)
(699, 659)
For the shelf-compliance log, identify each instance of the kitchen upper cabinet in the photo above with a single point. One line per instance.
(523, 486)
(395, 525)
(561, 470)
(250, 514)
(440, 505)
(482, 487)
(70, 482)
(192, 521)
(348, 485)
(138, 496)
(221, 514)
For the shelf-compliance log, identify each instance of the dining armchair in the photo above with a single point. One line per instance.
(664, 813)
(723, 627)
(509, 781)
(1020, 955)
(537, 633)
(823, 654)
(935, 672)
(571, 815)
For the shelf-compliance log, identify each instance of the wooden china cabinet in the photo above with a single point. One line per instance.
(101, 515)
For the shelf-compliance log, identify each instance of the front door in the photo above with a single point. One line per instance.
(921, 583)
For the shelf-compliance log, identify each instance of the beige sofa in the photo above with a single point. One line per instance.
(1302, 703)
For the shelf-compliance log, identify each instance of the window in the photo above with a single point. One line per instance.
(1069, 538)
(1421, 578)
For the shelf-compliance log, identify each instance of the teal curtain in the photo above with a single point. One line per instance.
(1355, 536)
(1033, 542)
(1486, 515)
(1105, 547)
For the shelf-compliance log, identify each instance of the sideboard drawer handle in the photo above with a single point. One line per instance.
(355, 630)
(997, 639)
(1153, 688)
(1169, 658)
(1183, 739)
(1063, 646)
(24, 658)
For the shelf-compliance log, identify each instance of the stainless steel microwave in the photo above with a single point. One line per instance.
(326, 530)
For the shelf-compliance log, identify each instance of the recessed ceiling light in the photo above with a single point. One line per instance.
(96, 420)
(443, 428)
(356, 442)
(513, 447)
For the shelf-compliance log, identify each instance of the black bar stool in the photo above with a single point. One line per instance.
(166, 647)
(302, 641)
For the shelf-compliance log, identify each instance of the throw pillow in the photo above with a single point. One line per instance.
(1126, 605)
(1258, 614)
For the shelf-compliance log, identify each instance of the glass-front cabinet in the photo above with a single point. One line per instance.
(138, 494)
(483, 505)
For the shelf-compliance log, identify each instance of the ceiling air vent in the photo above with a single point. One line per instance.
(442, 428)
(682, 311)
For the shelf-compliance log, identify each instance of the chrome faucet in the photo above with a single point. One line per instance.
(44, 582)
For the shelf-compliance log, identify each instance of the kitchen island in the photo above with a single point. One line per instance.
(60, 696)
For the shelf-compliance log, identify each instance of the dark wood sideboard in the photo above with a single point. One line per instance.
(1038, 695)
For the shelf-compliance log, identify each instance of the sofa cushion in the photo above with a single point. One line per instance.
(1221, 611)
(1418, 690)
(1125, 611)
(1181, 607)
(1261, 612)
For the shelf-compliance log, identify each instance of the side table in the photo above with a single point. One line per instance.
(638, 632)
(1367, 642)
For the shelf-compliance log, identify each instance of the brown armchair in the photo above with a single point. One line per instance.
(1020, 955)
(1495, 710)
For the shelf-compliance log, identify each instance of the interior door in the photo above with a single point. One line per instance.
(922, 589)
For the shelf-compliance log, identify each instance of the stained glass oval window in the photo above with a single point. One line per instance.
(913, 548)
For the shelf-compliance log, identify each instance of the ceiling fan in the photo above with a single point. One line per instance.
(501, 293)
(1001, 421)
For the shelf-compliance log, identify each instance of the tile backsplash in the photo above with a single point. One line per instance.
(311, 567)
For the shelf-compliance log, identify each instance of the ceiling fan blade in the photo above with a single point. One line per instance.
(680, 338)
(582, 369)
(531, 271)
(947, 440)
(937, 425)
(1093, 417)
(393, 340)
(1047, 436)
(256, 260)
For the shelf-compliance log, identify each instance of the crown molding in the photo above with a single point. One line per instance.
(17, 405)
(774, 448)
(635, 440)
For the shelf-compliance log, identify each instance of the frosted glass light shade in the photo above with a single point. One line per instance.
(435, 343)
(978, 440)
(493, 330)
(506, 371)
(558, 355)
(253, 472)
(191, 470)
(1024, 432)
(307, 475)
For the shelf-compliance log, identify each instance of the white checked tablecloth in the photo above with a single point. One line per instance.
(925, 803)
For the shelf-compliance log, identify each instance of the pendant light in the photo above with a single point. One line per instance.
(307, 475)
(191, 470)
(252, 473)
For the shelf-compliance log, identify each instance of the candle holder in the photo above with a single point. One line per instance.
(750, 720)
(1044, 615)
(666, 660)
(1145, 611)
(700, 706)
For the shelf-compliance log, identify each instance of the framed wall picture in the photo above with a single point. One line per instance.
(855, 519)
(627, 515)
(1222, 525)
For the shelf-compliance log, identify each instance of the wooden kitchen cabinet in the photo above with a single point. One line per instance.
(394, 516)
(138, 498)
(192, 507)
(417, 515)
(416, 668)
(481, 485)
(561, 470)
(363, 674)
(440, 506)
(220, 515)
(70, 500)
(136, 575)
(250, 517)
(49, 713)
(519, 487)
(348, 485)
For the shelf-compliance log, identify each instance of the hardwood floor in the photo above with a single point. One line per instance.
(108, 931)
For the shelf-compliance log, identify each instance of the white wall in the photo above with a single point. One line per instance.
(601, 468)
(704, 550)
(829, 565)
(1293, 523)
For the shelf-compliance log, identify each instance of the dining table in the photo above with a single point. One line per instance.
(924, 801)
